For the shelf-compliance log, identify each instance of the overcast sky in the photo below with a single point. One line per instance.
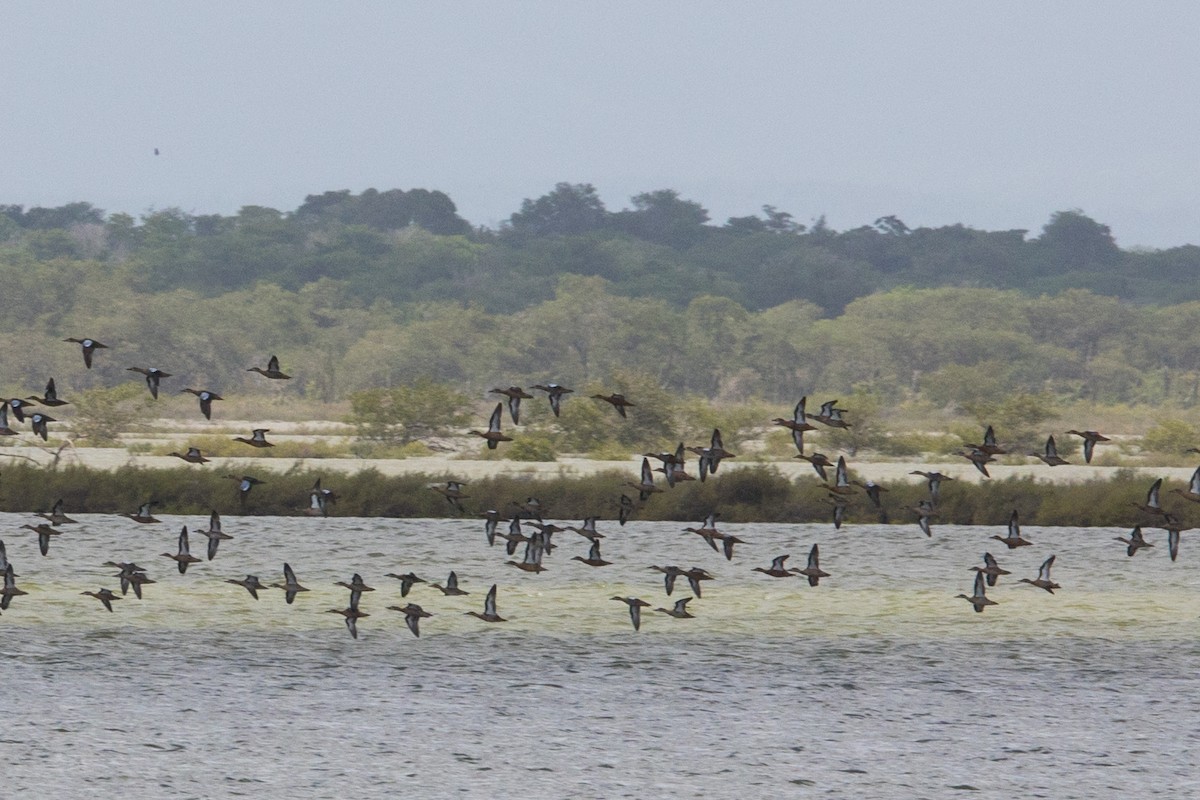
(991, 114)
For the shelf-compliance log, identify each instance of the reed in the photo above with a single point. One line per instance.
(756, 494)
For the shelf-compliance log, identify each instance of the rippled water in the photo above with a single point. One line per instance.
(879, 683)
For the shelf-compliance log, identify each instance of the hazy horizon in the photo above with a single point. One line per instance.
(935, 112)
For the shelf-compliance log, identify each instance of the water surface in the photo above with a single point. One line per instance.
(879, 683)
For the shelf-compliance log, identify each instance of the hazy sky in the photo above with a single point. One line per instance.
(991, 114)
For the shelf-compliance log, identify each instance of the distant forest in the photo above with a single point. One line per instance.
(355, 291)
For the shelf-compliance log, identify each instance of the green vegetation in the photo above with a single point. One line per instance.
(393, 314)
(757, 494)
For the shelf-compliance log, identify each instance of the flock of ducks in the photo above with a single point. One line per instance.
(525, 525)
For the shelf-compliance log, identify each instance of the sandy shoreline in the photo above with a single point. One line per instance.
(471, 469)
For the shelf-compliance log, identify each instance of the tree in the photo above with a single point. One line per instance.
(403, 414)
(571, 208)
(662, 216)
(1072, 240)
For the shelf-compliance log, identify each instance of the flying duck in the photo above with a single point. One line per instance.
(1043, 579)
(1135, 542)
(215, 534)
(192, 456)
(515, 395)
(555, 394)
(812, 570)
(1013, 540)
(105, 596)
(593, 557)
(250, 583)
(635, 609)
(206, 400)
(1050, 455)
(413, 614)
(679, 611)
(153, 376)
(272, 371)
(489, 608)
(777, 568)
(978, 598)
(184, 557)
(258, 438)
(451, 587)
(1090, 439)
(290, 585)
(493, 434)
(990, 569)
(617, 401)
(88, 346)
(407, 580)
(50, 398)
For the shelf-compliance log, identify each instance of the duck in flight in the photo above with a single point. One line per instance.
(192, 456)
(1135, 542)
(451, 587)
(184, 557)
(413, 614)
(10, 589)
(453, 493)
(44, 532)
(215, 535)
(105, 596)
(356, 587)
(991, 569)
(50, 398)
(206, 400)
(813, 569)
(1050, 454)
(980, 459)
(1043, 579)
(1191, 493)
(535, 548)
(1013, 540)
(143, 514)
(819, 462)
(250, 583)
(933, 481)
(1090, 440)
(245, 483)
(777, 568)
(352, 615)
(258, 438)
(5, 430)
(593, 557)
(617, 401)
(636, 605)
(679, 611)
(646, 487)
(489, 608)
(290, 585)
(978, 599)
(57, 515)
(555, 394)
(493, 435)
(88, 346)
(407, 581)
(153, 376)
(515, 395)
(830, 415)
(925, 511)
(38, 421)
(1152, 504)
(272, 371)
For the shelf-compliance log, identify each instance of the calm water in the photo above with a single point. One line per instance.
(877, 684)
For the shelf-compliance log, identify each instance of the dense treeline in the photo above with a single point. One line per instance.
(389, 288)
(412, 246)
